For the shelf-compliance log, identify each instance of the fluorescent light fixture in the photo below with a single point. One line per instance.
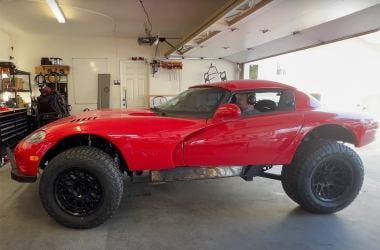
(56, 11)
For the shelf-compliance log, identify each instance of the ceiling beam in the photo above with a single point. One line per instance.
(356, 24)
(320, 43)
(230, 5)
(248, 12)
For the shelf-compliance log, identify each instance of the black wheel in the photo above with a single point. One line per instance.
(324, 178)
(81, 187)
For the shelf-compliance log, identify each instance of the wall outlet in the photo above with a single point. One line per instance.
(116, 82)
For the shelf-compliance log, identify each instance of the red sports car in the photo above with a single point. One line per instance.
(234, 128)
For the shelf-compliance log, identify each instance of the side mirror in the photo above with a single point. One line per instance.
(227, 112)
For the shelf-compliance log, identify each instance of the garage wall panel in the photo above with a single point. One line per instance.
(174, 81)
(30, 48)
(85, 78)
(4, 46)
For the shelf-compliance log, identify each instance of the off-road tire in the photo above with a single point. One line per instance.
(100, 167)
(298, 177)
(288, 175)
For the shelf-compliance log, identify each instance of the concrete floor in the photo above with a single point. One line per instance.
(214, 214)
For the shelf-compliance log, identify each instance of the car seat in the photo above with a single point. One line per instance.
(286, 102)
(265, 105)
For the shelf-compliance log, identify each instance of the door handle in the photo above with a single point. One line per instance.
(125, 98)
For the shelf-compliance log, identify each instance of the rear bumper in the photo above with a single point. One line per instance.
(15, 172)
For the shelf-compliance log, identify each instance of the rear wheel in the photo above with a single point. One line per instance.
(81, 187)
(325, 178)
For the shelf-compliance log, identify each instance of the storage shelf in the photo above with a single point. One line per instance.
(13, 91)
(11, 110)
(43, 69)
(14, 121)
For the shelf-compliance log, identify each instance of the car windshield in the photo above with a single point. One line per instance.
(197, 102)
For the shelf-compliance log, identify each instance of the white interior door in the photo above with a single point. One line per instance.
(134, 84)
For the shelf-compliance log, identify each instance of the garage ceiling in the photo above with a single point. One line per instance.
(120, 18)
(263, 28)
(278, 26)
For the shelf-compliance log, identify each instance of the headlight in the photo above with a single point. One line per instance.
(36, 137)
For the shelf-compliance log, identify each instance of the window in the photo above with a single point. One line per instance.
(194, 102)
(263, 101)
(273, 96)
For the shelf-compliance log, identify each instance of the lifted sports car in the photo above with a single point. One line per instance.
(234, 128)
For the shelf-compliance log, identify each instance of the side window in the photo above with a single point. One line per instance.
(269, 101)
(287, 101)
(246, 102)
(263, 101)
(273, 96)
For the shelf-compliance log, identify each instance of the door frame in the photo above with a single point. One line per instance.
(121, 61)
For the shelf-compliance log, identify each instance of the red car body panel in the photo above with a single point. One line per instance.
(145, 140)
(249, 140)
(148, 141)
(241, 85)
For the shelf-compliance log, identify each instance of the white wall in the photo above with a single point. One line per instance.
(30, 48)
(174, 81)
(346, 73)
(5, 40)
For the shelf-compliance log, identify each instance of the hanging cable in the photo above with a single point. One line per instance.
(148, 31)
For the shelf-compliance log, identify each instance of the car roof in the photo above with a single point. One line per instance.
(236, 85)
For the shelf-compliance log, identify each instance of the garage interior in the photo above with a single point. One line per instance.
(127, 54)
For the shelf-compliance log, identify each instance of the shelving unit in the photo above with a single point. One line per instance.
(60, 86)
(16, 94)
(14, 83)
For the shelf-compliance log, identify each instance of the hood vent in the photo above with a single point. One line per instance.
(84, 119)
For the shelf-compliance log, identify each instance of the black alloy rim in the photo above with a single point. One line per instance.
(332, 180)
(78, 192)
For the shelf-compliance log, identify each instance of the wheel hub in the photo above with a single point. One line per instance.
(331, 179)
(78, 192)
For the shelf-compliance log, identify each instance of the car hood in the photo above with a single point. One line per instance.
(112, 122)
(114, 113)
(104, 114)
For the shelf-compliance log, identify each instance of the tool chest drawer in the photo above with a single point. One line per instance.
(13, 127)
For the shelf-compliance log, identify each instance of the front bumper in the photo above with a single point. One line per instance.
(15, 172)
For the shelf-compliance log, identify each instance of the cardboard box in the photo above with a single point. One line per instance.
(19, 85)
(19, 80)
(4, 85)
(6, 80)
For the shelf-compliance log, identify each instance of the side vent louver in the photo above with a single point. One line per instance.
(84, 119)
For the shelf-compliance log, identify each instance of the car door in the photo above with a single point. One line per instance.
(249, 140)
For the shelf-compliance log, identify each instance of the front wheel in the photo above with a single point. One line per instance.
(325, 179)
(81, 187)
